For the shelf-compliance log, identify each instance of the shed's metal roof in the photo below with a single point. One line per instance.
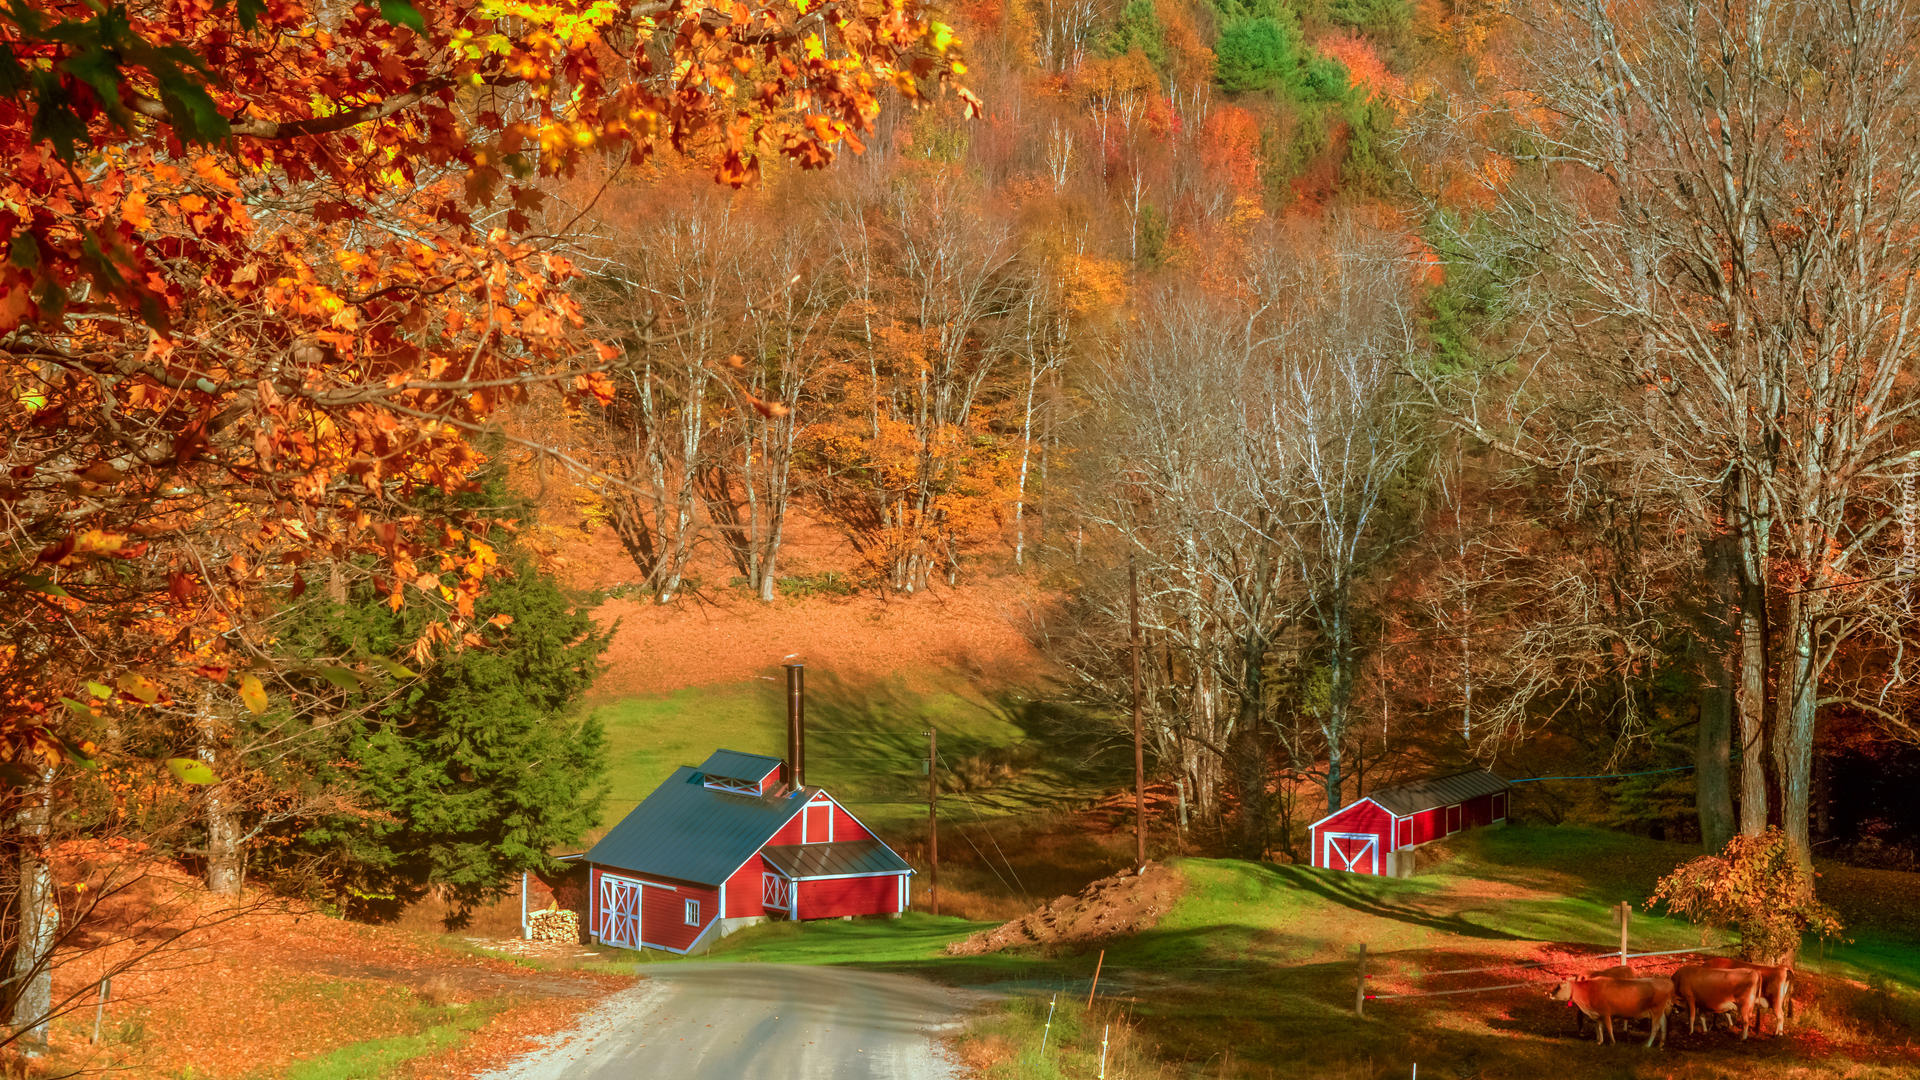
(691, 832)
(735, 765)
(840, 858)
(1403, 799)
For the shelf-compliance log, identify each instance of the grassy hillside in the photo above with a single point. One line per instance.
(866, 742)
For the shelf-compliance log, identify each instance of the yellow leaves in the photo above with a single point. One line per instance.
(483, 558)
(253, 695)
(99, 542)
(138, 687)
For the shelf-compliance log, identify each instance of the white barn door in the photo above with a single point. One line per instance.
(619, 903)
(1357, 852)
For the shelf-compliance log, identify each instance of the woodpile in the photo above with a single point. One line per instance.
(554, 925)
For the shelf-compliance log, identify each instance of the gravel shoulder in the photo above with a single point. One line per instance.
(766, 1021)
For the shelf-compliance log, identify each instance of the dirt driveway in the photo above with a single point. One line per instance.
(765, 1021)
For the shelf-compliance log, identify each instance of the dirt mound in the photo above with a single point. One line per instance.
(1125, 903)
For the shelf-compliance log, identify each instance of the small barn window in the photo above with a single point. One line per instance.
(693, 913)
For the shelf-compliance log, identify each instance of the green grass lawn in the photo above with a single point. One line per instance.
(866, 742)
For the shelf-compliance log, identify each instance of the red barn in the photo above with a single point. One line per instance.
(730, 844)
(1377, 834)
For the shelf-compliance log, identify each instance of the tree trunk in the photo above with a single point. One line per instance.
(1753, 709)
(1250, 754)
(1793, 731)
(223, 830)
(36, 924)
(1333, 777)
(1713, 753)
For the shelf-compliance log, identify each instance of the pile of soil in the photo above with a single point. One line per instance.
(1125, 903)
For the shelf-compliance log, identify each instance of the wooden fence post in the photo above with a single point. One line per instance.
(1626, 917)
(1360, 984)
(1097, 965)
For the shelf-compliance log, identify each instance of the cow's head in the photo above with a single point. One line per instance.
(1563, 991)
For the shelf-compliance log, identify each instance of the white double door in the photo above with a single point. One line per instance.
(619, 901)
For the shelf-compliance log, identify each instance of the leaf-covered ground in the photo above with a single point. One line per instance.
(281, 991)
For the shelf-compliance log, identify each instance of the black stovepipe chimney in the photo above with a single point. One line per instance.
(796, 726)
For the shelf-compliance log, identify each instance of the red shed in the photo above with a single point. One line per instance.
(730, 844)
(1376, 834)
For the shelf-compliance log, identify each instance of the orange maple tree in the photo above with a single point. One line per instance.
(271, 268)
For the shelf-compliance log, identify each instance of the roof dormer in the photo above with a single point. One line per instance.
(741, 774)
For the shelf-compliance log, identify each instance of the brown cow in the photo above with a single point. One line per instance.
(1717, 990)
(1776, 985)
(1628, 999)
(1618, 971)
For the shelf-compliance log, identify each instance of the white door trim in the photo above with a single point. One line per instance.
(1372, 848)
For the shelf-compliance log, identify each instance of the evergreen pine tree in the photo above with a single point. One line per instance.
(475, 771)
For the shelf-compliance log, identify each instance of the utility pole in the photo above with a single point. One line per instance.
(933, 818)
(1139, 753)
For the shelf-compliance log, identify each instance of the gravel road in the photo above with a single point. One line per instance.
(759, 1022)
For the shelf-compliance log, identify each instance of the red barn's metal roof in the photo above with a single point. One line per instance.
(1402, 800)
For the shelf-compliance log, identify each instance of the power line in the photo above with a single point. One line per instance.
(1602, 776)
(990, 838)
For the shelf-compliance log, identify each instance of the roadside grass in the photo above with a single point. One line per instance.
(436, 1027)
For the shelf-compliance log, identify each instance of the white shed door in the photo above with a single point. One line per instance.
(1358, 852)
(619, 911)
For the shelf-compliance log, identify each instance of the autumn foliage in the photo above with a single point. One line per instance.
(272, 267)
(1756, 888)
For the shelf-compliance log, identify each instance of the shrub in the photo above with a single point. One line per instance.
(1757, 888)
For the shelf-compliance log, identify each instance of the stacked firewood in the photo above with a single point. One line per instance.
(554, 925)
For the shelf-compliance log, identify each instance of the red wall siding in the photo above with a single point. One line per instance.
(789, 833)
(1361, 817)
(662, 920)
(848, 896)
(743, 890)
(1429, 825)
(1476, 811)
(662, 912)
(1500, 800)
(771, 780)
(845, 828)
